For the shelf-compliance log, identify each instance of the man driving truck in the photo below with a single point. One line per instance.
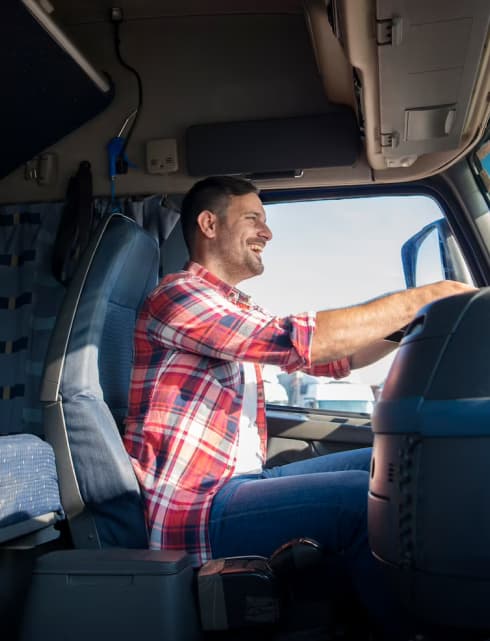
(196, 429)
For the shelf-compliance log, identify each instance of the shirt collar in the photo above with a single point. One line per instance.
(231, 293)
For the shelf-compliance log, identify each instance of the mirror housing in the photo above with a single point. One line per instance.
(452, 261)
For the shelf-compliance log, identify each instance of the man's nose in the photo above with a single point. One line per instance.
(265, 232)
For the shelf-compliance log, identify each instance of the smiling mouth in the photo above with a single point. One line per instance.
(257, 249)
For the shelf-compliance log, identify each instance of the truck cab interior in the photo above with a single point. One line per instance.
(110, 113)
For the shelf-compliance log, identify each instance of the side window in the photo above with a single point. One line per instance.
(327, 254)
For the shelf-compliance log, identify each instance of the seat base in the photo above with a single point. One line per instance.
(111, 594)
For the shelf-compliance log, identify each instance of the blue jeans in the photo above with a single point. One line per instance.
(323, 498)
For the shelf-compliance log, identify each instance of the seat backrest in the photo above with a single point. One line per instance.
(86, 381)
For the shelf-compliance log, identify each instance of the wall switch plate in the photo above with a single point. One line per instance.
(161, 156)
(43, 168)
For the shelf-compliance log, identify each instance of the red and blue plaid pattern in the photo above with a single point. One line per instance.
(186, 395)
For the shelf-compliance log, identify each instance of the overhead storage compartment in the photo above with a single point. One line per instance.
(49, 87)
(425, 90)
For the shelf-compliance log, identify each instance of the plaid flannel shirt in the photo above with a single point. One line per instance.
(186, 394)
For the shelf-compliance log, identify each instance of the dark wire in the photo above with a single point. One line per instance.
(122, 62)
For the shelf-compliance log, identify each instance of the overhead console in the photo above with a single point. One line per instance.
(422, 76)
(426, 90)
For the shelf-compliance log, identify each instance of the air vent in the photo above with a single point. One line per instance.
(391, 473)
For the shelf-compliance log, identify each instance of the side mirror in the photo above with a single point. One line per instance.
(433, 254)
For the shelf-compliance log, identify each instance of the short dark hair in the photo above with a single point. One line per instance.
(214, 194)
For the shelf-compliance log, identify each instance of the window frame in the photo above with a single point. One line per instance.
(449, 202)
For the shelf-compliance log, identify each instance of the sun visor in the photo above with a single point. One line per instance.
(49, 87)
(282, 146)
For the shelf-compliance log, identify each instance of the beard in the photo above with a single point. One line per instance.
(242, 265)
(254, 265)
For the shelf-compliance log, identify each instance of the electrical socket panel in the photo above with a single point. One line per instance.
(161, 156)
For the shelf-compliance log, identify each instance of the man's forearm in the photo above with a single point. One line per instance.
(343, 332)
(372, 353)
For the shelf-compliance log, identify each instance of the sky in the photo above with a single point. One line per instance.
(330, 254)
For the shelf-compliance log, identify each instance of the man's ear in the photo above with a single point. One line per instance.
(206, 222)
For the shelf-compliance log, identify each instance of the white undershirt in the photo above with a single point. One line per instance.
(248, 460)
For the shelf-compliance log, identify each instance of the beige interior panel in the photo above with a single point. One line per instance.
(444, 63)
(228, 60)
(194, 70)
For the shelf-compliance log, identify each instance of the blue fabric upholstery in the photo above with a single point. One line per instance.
(158, 215)
(95, 379)
(27, 234)
(28, 479)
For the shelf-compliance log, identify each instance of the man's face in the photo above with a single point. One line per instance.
(241, 236)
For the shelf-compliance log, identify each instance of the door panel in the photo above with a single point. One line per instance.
(295, 434)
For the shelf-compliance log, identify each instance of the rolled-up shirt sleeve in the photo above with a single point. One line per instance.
(192, 316)
(335, 369)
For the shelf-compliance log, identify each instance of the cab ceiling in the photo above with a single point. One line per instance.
(231, 60)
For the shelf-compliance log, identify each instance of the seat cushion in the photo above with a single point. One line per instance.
(28, 480)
